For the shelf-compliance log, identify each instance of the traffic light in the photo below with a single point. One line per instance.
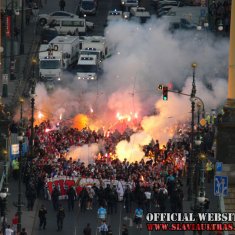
(165, 93)
(160, 87)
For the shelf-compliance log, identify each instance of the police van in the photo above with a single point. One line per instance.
(87, 67)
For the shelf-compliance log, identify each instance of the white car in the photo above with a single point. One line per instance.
(117, 15)
(140, 13)
(48, 18)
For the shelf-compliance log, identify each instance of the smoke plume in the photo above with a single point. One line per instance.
(144, 56)
(86, 153)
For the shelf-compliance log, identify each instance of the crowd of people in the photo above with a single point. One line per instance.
(157, 180)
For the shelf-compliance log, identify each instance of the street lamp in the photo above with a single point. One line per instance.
(32, 117)
(198, 113)
(20, 140)
(220, 26)
(191, 159)
(22, 28)
(19, 204)
(202, 158)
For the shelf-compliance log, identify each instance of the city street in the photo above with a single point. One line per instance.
(116, 130)
(75, 222)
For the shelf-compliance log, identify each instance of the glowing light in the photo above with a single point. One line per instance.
(127, 117)
(40, 115)
(47, 130)
(91, 110)
(80, 121)
(142, 178)
(61, 116)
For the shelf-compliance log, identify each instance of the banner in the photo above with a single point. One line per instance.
(8, 27)
(15, 149)
(63, 183)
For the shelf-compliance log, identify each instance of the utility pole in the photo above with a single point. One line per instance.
(22, 29)
(32, 117)
(20, 139)
(12, 38)
(191, 159)
(5, 74)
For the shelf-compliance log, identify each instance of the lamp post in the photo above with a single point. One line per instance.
(22, 29)
(198, 114)
(202, 158)
(19, 204)
(32, 117)
(200, 196)
(20, 139)
(12, 57)
(191, 159)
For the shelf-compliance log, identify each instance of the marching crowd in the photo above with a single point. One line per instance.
(155, 182)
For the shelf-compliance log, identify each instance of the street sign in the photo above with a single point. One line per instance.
(203, 122)
(221, 185)
(15, 149)
(219, 166)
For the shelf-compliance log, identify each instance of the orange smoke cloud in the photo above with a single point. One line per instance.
(132, 150)
(80, 121)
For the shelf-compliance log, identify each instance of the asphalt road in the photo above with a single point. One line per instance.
(75, 222)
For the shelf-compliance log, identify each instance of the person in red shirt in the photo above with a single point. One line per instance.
(15, 221)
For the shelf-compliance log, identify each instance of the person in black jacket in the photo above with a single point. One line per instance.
(31, 195)
(87, 230)
(60, 218)
(55, 198)
(71, 198)
(127, 199)
(42, 217)
(62, 5)
(124, 230)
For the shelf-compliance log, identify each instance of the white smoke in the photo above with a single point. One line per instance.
(178, 108)
(144, 56)
(85, 153)
(132, 150)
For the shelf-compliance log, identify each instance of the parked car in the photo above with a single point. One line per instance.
(47, 18)
(71, 26)
(117, 15)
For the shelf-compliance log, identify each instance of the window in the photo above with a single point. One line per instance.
(67, 23)
(55, 23)
(79, 23)
(85, 68)
(60, 14)
(50, 64)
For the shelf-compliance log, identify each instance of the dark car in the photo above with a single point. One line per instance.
(48, 34)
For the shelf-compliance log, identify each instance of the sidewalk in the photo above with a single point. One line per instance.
(15, 90)
(22, 66)
(28, 218)
(214, 202)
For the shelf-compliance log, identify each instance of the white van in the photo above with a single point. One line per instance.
(73, 26)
